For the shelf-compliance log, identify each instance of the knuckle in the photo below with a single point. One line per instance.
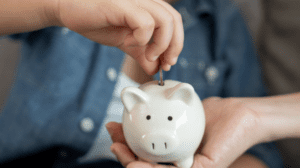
(178, 17)
(175, 49)
(163, 46)
(179, 46)
(168, 19)
(171, 63)
(171, 55)
(148, 25)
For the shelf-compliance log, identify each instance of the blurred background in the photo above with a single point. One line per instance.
(274, 26)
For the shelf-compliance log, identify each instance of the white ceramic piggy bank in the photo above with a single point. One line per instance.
(163, 123)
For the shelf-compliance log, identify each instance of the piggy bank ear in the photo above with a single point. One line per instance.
(183, 92)
(131, 96)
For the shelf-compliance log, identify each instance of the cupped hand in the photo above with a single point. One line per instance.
(232, 127)
(144, 29)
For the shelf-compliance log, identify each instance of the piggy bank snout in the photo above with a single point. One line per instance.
(160, 143)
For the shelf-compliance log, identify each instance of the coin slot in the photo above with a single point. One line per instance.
(159, 83)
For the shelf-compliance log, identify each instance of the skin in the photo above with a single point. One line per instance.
(132, 69)
(233, 125)
(225, 140)
(137, 28)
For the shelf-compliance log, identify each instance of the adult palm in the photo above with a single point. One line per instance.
(231, 129)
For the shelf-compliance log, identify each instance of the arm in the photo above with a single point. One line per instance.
(280, 115)
(133, 70)
(18, 16)
(233, 125)
(236, 124)
(126, 24)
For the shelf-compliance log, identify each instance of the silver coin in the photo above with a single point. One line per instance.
(160, 82)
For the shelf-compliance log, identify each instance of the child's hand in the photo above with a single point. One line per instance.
(128, 25)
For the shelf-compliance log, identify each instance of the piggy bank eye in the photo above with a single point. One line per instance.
(148, 117)
(170, 118)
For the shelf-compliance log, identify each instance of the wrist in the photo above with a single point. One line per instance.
(281, 124)
(279, 115)
(264, 118)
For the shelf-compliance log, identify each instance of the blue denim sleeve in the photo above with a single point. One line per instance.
(268, 153)
(28, 36)
(15, 36)
(19, 36)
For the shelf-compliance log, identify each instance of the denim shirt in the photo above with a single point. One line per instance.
(65, 81)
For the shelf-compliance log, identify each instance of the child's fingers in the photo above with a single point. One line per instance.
(123, 153)
(141, 23)
(116, 132)
(167, 36)
(138, 53)
(151, 68)
(176, 44)
(164, 27)
(166, 67)
(164, 64)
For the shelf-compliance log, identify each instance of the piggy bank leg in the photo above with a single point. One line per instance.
(187, 163)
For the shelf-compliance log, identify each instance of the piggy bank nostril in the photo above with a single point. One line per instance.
(153, 146)
(160, 142)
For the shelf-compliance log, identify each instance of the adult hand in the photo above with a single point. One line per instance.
(144, 29)
(232, 127)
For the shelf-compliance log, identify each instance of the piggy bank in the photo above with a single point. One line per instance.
(163, 123)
